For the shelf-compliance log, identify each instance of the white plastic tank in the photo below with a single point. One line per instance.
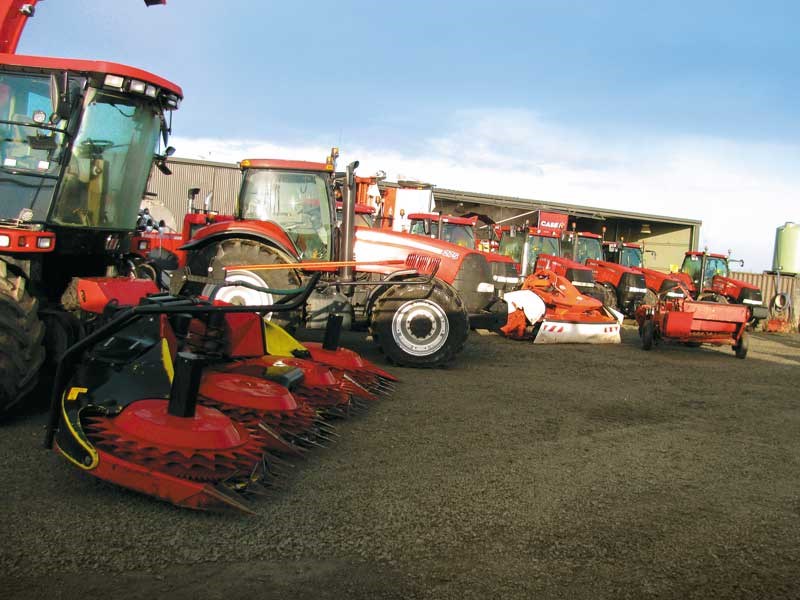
(786, 257)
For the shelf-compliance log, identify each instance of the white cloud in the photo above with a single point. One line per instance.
(741, 190)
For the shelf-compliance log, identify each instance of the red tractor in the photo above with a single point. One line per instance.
(623, 285)
(711, 280)
(462, 231)
(77, 142)
(417, 297)
(705, 276)
(631, 256)
(539, 247)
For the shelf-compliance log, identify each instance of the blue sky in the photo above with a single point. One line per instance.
(681, 108)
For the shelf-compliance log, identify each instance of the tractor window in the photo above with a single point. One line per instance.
(691, 266)
(539, 244)
(716, 266)
(418, 227)
(30, 145)
(297, 201)
(109, 164)
(512, 246)
(460, 235)
(630, 257)
(365, 220)
(589, 248)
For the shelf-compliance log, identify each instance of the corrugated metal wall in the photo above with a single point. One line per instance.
(788, 285)
(172, 190)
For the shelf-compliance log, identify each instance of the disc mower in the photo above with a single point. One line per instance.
(678, 318)
(548, 309)
(195, 401)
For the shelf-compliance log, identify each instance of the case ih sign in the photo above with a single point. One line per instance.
(553, 220)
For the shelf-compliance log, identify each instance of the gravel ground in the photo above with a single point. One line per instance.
(522, 471)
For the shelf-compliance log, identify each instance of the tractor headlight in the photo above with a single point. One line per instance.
(144, 244)
(137, 87)
(5, 241)
(151, 91)
(114, 81)
(485, 287)
(44, 242)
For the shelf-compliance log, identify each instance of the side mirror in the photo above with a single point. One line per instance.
(161, 160)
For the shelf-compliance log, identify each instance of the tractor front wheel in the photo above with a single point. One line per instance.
(420, 325)
(648, 334)
(240, 253)
(21, 335)
(742, 346)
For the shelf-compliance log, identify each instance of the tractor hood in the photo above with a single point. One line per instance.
(382, 244)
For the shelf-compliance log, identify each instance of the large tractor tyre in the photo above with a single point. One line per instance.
(21, 335)
(234, 252)
(420, 325)
(609, 295)
(648, 334)
(742, 346)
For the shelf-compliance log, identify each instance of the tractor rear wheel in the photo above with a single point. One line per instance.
(21, 335)
(648, 334)
(742, 346)
(235, 252)
(420, 325)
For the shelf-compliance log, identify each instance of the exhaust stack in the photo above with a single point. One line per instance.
(347, 239)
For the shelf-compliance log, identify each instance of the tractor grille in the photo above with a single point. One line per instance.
(633, 284)
(667, 284)
(751, 296)
(581, 278)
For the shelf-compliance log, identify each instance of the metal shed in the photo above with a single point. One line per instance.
(669, 237)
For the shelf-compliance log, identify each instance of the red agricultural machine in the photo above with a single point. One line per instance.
(77, 141)
(711, 279)
(678, 318)
(539, 247)
(417, 297)
(548, 309)
(705, 276)
(623, 286)
(194, 401)
(462, 231)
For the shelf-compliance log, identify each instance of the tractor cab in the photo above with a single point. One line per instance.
(525, 247)
(623, 253)
(456, 230)
(77, 140)
(702, 266)
(582, 245)
(295, 195)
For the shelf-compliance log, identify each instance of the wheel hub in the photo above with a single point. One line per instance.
(240, 295)
(420, 327)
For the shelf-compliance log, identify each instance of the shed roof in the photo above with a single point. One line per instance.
(591, 212)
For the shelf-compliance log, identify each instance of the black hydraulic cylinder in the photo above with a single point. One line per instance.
(185, 384)
(333, 331)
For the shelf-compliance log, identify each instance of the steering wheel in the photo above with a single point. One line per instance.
(90, 148)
